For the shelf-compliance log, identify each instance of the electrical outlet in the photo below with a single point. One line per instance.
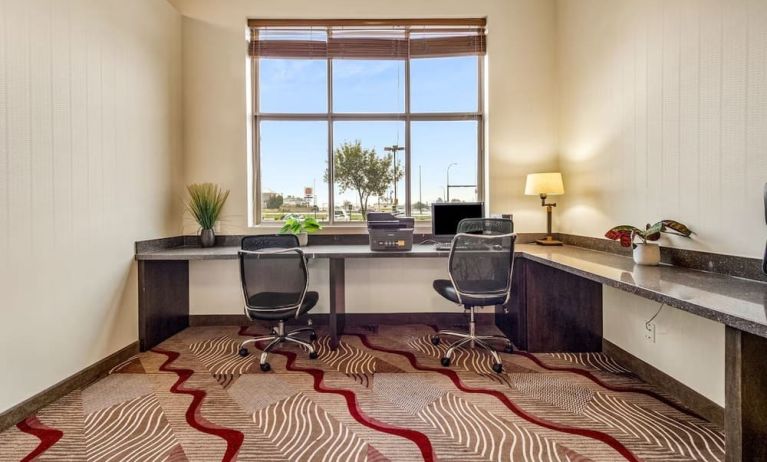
(649, 333)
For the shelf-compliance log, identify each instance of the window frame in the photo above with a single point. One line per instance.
(330, 116)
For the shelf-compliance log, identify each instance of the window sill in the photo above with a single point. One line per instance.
(356, 228)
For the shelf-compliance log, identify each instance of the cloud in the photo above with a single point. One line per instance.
(291, 71)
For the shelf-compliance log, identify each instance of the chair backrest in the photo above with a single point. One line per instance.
(481, 264)
(273, 273)
(485, 226)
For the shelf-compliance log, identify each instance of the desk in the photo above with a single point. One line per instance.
(739, 304)
(735, 302)
(164, 282)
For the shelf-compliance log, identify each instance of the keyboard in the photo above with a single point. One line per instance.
(443, 246)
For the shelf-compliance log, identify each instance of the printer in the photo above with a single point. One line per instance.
(388, 232)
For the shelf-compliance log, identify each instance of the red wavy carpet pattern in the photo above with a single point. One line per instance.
(589, 433)
(232, 437)
(47, 436)
(421, 440)
(381, 396)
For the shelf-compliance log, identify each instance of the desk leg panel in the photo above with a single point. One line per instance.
(745, 396)
(163, 300)
(337, 300)
(511, 318)
(563, 311)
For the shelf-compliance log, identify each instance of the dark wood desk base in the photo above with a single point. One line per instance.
(745, 418)
(163, 300)
(337, 300)
(551, 310)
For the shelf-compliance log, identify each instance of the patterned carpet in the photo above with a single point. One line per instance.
(383, 395)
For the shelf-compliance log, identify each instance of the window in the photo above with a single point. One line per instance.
(351, 117)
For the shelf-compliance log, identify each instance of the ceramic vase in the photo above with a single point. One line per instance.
(647, 254)
(207, 238)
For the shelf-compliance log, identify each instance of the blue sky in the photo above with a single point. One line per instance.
(294, 154)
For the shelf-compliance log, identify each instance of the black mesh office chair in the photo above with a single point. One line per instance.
(274, 282)
(480, 267)
(485, 226)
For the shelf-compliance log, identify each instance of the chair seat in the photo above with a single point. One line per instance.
(267, 299)
(445, 288)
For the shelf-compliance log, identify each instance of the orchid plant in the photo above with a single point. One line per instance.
(626, 234)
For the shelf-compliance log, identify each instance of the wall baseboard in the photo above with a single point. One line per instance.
(75, 381)
(681, 392)
(352, 319)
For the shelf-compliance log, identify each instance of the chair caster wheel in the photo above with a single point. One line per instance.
(435, 340)
(313, 355)
(498, 367)
(265, 367)
(445, 362)
(312, 337)
(509, 348)
(243, 352)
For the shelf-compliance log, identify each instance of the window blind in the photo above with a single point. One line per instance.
(346, 39)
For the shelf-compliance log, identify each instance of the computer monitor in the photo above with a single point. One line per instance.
(446, 216)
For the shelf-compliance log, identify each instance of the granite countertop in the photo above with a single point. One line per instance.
(736, 302)
(312, 251)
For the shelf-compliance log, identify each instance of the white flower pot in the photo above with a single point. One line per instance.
(303, 239)
(647, 254)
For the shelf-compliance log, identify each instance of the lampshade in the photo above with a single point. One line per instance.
(544, 183)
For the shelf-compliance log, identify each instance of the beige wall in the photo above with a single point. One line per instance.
(521, 79)
(687, 347)
(372, 286)
(664, 115)
(521, 127)
(89, 147)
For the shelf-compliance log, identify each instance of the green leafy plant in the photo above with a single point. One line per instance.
(205, 203)
(297, 224)
(627, 233)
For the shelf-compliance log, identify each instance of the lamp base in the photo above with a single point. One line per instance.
(548, 240)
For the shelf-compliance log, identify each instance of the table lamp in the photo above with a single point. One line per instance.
(543, 185)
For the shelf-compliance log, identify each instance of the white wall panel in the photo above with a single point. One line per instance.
(89, 139)
(373, 285)
(686, 347)
(664, 115)
(215, 288)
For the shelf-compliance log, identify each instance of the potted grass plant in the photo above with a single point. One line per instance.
(643, 252)
(301, 227)
(206, 200)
